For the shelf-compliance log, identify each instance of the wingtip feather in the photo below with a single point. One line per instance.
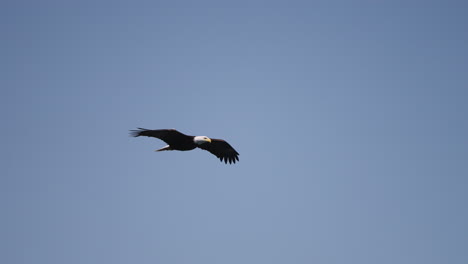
(137, 132)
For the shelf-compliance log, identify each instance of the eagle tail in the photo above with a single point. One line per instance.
(164, 148)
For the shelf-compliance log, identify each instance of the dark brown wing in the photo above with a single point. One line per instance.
(170, 136)
(222, 150)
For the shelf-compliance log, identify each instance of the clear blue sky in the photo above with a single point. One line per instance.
(350, 119)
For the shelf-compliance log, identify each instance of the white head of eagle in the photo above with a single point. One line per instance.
(201, 140)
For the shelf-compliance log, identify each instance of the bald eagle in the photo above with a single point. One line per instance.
(178, 141)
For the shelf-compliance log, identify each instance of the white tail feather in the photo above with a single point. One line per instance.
(164, 148)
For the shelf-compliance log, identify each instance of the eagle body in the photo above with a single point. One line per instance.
(179, 141)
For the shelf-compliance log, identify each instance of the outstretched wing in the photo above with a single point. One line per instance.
(222, 150)
(170, 136)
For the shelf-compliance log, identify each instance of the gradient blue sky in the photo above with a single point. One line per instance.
(350, 118)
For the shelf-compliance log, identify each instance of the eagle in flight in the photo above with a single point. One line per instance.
(179, 141)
